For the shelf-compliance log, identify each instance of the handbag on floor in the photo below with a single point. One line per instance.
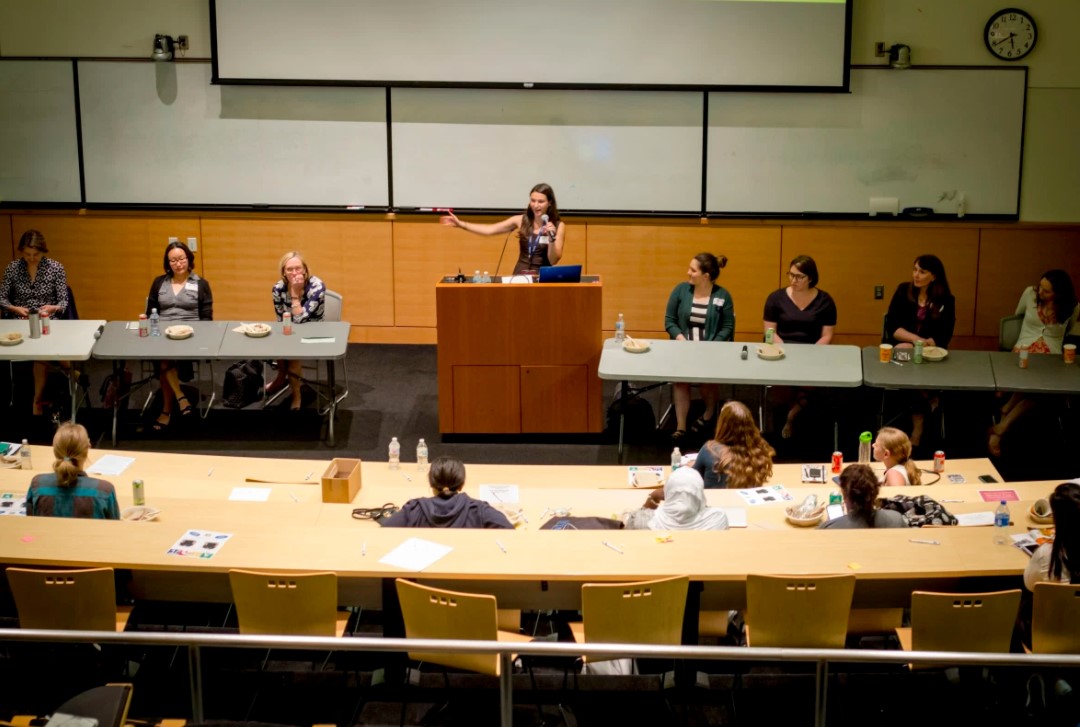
(243, 384)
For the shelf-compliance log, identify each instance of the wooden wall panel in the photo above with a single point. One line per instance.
(641, 263)
(110, 261)
(1012, 259)
(7, 244)
(852, 260)
(425, 251)
(352, 257)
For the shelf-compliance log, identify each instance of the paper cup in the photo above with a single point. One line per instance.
(1068, 351)
(885, 352)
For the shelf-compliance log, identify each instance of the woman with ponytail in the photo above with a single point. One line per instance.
(68, 491)
(893, 449)
(448, 507)
(860, 487)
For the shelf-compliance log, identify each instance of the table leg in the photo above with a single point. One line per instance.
(331, 412)
(118, 372)
(624, 388)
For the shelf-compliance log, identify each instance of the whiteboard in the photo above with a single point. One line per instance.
(39, 155)
(159, 133)
(600, 150)
(590, 42)
(916, 135)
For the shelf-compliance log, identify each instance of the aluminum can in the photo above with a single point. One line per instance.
(919, 345)
(144, 326)
(837, 462)
(770, 335)
(1023, 358)
(44, 324)
(939, 461)
(138, 492)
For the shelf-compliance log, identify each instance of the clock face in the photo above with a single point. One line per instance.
(1010, 34)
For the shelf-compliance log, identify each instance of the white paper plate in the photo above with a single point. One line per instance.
(178, 333)
(770, 352)
(934, 353)
(11, 339)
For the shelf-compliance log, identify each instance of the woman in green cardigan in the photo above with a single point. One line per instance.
(699, 310)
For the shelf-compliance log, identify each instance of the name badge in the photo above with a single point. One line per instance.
(193, 287)
(718, 302)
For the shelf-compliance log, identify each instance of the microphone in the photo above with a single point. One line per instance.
(98, 332)
(543, 223)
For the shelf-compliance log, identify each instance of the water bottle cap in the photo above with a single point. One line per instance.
(676, 451)
(393, 439)
(1002, 502)
(865, 437)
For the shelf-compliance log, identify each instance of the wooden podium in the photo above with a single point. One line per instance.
(519, 358)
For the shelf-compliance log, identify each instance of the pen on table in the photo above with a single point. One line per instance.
(501, 546)
(210, 472)
(406, 477)
(616, 548)
(924, 542)
(952, 500)
(363, 549)
(294, 497)
(309, 474)
(897, 363)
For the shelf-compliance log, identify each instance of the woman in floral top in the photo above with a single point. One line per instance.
(303, 296)
(31, 282)
(1049, 308)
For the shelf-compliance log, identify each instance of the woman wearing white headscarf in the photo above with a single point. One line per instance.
(679, 505)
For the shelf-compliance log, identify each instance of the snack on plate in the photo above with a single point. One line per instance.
(179, 331)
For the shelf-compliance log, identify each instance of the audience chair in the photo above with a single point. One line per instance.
(294, 604)
(787, 611)
(434, 613)
(82, 599)
(647, 612)
(978, 622)
(1055, 619)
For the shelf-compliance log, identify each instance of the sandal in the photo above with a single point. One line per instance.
(678, 435)
(160, 425)
(702, 425)
(185, 408)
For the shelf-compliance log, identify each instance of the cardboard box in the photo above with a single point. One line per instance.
(341, 481)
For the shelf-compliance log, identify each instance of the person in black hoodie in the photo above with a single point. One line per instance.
(449, 507)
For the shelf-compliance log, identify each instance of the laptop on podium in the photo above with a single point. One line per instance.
(560, 274)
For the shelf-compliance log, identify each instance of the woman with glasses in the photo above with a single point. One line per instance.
(303, 296)
(179, 295)
(448, 506)
(800, 313)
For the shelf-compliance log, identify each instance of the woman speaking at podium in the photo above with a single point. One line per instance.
(541, 233)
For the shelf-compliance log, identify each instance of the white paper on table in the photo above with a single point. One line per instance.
(972, 519)
(499, 494)
(12, 503)
(202, 544)
(110, 464)
(318, 339)
(766, 495)
(131, 326)
(736, 516)
(250, 494)
(415, 554)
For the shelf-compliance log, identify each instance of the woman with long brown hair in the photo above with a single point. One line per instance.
(541, 232)
(738, 456)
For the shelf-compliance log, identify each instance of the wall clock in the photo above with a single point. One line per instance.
(1010, 34)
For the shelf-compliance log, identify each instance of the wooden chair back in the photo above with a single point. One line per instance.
(1055, 619)
(434, 613)
(646, 612)
(79, 599)
(798, 611)
(294, 604)
(980, 622)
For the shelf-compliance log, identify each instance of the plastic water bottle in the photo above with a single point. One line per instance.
(676, 460)
(1001, 521)
(395, 454)
(864, 447)
(486, 278)
(155, 323)
(421, 456)
(620, 328)
(24, 457)
(476, 277)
